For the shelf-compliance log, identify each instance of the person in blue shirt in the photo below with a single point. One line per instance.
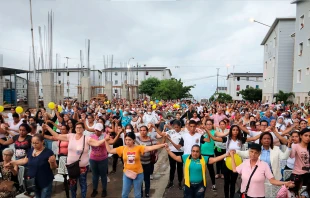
(126, 118)
(268, 117)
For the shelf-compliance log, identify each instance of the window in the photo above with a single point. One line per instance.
(23, 91)
(147, 73)
(59, 82)
(247, 78)
(115, 91)
(238, 78)
(68, 90)
(299, 76)
(125, 73)
(273, 61)
(238, 88)
(257, 86)
(136, 72)
(115, 74)
(116, 82)
(41, 90)
(308, 71)
(99, 76)
(302, 21)
(266, 48)
(274, 42)
(248, 86)
(59, 74)
(237, 94)
(23, 86)
(67, 73)
(257, 78)
(301, 46)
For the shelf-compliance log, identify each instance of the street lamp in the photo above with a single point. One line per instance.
(254, 21)
(128, 77)
(274, 68)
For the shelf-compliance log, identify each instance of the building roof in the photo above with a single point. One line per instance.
(297, 1)
(5, 71)
(65, 70)
(273, 26)
(245, 75)
(138, 69)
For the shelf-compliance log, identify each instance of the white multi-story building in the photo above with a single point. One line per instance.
(278, 58)
(301, 74)
(21, 86)
(132, 76)
(71, 78)
(239, 81)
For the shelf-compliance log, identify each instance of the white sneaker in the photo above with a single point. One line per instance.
(108, 179)
(151, 177)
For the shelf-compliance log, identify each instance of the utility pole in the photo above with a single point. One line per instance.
(67, 75)
(217, 80)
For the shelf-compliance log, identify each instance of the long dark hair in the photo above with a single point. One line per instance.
(239, 136)
(261, 137)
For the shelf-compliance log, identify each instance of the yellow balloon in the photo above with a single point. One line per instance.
(177, 106)
(105, 102)
(1, 108)
(160, 103)
(51, 105)
(108, 102)
(59, 109)
(19, 109)
(154, 106)
(238, 161)
(151, 103)
(174, 106)
(144, 102)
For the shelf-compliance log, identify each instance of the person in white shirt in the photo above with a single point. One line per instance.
(175, 136)
(14, 125)
(281, 126)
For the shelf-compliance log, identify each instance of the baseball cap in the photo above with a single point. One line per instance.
(98, 126)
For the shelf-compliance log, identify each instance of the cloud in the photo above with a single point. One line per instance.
(196, 36)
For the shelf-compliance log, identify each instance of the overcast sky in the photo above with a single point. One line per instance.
(196, 36)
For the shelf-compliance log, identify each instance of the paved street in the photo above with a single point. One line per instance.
(161, 175)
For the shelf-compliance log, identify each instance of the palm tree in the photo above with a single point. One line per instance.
(281, 96)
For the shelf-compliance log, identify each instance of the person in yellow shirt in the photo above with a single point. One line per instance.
(133, 171)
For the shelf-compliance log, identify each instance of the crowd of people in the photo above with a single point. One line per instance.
(194, 135)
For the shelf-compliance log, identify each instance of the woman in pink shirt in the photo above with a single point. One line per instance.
(256, 187)
(300, 152)
(75, 148)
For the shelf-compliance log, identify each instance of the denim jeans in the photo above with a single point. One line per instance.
(45, 192)
(48, 144)
(127, 183)
(83, 183)
(195, 191)
(99, 169)
(147, 168)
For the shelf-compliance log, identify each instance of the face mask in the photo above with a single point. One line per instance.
(149, 113)
(128, 130)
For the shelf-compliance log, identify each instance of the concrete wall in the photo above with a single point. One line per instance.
(302, 61)
(86, 88)
(31, 94)
(48, 88)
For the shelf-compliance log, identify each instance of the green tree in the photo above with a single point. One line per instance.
(251, 94)
(148, 86)
(221, 97)
(285, 97)
(172, 89)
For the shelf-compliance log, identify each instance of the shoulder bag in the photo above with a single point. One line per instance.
(238, 194)
(74, 168)
(153, 154)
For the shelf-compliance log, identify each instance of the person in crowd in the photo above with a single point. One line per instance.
(40, 162)
(260, 170)
(220, 149)
(133, 170)
(294, 139)
(195, 170)
(270, 154)
(268, 117)
(281, 124)
(14, 125)
(78, 146)
(145, 159)
(22, 142)
(195, 117)
(62, 145)
(300, 174)
(218, 117)
(234, 141)
(9, 173)
(118, 142)
(207, 149)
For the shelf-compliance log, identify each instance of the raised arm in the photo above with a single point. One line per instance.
(244, 128)
(212, 160)
(60, 119)
(219, 134)
(173, 156)
(217, 139)
(177, 146)
(87, 128)
(61, 137)
(109, 149)
(8, 142)
(54, 124)
(233, 163)
(252, 139)
(153, 147)
(93, 142)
